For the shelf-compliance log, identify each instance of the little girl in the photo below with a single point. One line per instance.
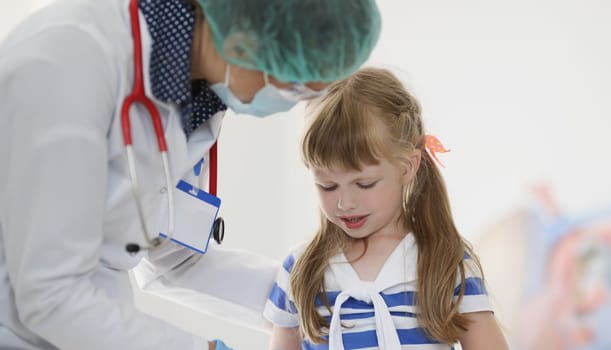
(387, 269)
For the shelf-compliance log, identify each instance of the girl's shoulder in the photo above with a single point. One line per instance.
(473, 287)
(294, 253)
(472, 265)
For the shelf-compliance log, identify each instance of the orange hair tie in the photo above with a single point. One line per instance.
(433, 145)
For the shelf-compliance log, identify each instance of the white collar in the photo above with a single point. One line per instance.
(405, 254)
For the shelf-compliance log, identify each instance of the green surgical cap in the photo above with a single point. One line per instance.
(295, 40)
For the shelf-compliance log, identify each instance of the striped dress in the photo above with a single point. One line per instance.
(372, 315)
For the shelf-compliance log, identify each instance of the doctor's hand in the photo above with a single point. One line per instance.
(218, 345)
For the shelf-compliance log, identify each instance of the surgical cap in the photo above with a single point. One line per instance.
(295, 40)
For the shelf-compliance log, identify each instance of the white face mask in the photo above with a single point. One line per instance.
(267, 101)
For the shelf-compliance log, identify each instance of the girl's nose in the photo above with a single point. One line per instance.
(346, 203)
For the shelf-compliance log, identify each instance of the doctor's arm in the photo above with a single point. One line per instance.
(230, 284)
(483, 333)
(57, 101)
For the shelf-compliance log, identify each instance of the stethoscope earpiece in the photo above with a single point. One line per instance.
(132, 248)
(135, 248)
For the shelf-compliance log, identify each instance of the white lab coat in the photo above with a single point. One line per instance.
(66, 207)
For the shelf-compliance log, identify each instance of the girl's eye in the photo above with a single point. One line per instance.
(367, 185)
(327, 188)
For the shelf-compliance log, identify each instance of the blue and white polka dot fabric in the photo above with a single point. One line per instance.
(171, 24)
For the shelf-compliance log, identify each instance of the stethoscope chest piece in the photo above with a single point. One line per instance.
(218, 230)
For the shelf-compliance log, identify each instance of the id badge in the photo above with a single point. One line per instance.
(195, 211)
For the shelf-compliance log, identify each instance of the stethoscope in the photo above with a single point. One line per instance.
(139, 96)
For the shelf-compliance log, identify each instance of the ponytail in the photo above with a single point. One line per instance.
(440, 250)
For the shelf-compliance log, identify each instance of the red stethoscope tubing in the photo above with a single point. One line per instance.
(138, 96)
(213, 169)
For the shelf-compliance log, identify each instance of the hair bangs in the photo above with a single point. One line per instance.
(344, 134)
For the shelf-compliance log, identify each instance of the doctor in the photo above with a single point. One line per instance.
(68, 209)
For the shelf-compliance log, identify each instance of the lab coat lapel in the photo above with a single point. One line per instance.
(201, 141)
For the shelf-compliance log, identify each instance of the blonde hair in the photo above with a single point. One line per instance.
(365, 117)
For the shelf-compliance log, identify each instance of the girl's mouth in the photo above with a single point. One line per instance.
(354, 222)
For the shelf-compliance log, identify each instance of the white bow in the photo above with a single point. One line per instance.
(386, 332)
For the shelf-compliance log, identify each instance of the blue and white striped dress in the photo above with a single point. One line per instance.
(368, 310)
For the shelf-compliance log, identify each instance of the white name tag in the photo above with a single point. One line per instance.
(194, 214)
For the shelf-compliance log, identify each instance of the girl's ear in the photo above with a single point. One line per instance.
(410, 165)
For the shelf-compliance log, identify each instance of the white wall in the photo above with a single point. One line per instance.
(519, 90)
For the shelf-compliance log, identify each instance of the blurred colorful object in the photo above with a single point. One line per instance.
(564, 300)
(433, 145)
